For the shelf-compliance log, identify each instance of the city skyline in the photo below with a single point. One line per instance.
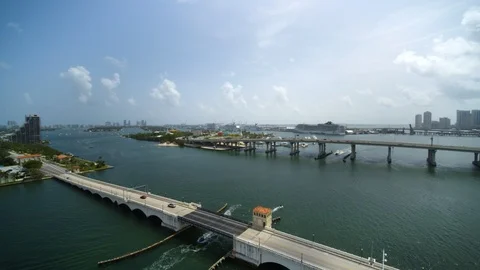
(270, 62)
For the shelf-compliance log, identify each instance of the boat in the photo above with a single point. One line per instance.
(328, 128)
(215, 148)
(304, 145)
(205, 238)
(339, 152)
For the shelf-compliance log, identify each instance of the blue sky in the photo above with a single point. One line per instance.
(272, 61)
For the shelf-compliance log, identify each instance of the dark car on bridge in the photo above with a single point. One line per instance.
(171, 205)
(143, 197)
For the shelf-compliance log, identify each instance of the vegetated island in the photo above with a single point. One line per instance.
(103, 129)
(164, 138)
(22, 162)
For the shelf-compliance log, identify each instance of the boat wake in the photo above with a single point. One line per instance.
(231, 209)
(277, 208)
(173, 256)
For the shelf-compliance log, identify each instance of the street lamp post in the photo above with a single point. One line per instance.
(313, 237)
(384, 259)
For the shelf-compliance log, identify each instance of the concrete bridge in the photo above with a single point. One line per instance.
(294, 144)
(253, 244)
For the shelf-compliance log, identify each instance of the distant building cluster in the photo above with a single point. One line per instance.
(466, 120)
(126, 123)
(29, 132)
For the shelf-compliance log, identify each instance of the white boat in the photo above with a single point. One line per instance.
(304, 145)
(215, 148)
(338, 152)
(326, 129)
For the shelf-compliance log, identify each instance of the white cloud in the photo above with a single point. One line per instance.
(281, 96)
(385, 101)
(110, 85)
(132, 101)
(471, 19)
(15, 26)
(4, 65)
(205, 108)
(28, 99)
(365, 92)
(116, 62)
(454, 64)
(259, 103)
(233, 94)
(81, 79)
(167, 91)
(347, 100)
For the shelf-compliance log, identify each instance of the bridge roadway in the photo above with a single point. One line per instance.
(282, 245)
(342, 141)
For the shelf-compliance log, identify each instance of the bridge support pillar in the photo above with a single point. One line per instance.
(475, 160)
(292, 148)
(322, 151)
(267, 145)
(389, 156)
(431, 158)
(353, 154)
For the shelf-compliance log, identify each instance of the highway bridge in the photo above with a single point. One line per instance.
(294, 143)
(253, 245)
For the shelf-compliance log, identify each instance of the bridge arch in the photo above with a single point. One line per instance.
(272, 266)
(154, 219)
(124, 206)
(139, 213)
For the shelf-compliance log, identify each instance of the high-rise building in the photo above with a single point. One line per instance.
(30, 131)
(418, 121)
(128, 123)
(444, 123)
(427, 120)
(464, 120)
(475, 118)
(124, 123)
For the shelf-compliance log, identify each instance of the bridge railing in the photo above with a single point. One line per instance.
(324, 248)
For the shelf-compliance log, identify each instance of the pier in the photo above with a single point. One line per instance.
(256, 242)
(322, 146)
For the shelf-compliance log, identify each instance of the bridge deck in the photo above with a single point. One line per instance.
(282, 244)
(357, 142)
(310, 253)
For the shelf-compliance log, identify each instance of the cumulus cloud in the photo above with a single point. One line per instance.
(132, 101)
(110, 85)
(471, 19)
(28, 99)
(259, 103)
(347, 100)
(454, 64)
(4, 65)
(116, 62)
(81, 80)
(233, 94)
(385, 101)
(168, 92)
(15, 26)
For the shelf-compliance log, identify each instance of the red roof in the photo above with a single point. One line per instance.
(262, 210)
(29, 156)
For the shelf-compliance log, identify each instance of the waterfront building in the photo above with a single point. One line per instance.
(30, 131)
(27, 157)
(427, 120)
(464, 120)
(418, 121)
(444, 123)
(476, 119)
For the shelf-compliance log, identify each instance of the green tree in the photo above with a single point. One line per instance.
(35, 174)
(32, 164)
